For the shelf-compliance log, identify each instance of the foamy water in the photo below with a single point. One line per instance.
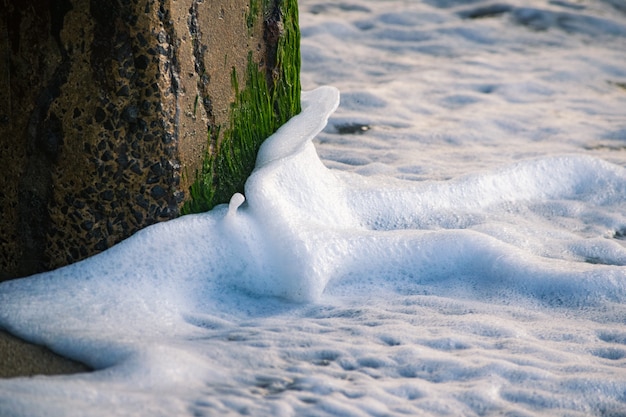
(457, 250)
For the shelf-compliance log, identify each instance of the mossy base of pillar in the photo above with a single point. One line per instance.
(269, 97)
(114, 115)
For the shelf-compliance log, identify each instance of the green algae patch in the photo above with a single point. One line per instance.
(271, 96)
(253, 13)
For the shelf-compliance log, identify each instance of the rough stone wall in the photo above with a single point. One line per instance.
(105, 109)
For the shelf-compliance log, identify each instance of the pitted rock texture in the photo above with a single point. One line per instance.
(105, 109)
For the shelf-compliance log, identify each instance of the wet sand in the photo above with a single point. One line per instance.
(19, 358)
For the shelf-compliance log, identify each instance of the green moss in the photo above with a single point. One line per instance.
(253, 14)
(260, 108)
(287, 90)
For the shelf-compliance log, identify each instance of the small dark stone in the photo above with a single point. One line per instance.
(142, 125)
(107, 156)
(96, 233)
(109, 228)
(142, 202)
(145, 106)
(102, 245)
(130, 114)
(122, 160)
(163, 213)
(89, 190)
(135, 168)
(157, 169)
(142, 61)
(481, 12)
(157, 192)
(100, 115)
(77, 113)
(123, 194)
(107, 195)
(138, 217)
(124, 91)
(162, 13)
(352, 128)
(87, 225)
(141, 39)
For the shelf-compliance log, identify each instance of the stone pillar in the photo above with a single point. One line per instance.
(116, 114)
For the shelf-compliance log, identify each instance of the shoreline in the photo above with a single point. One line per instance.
(23, 359)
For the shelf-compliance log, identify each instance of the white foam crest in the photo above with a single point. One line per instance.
(297, 132)
(331, 240)
(302, 225)
(416, 205)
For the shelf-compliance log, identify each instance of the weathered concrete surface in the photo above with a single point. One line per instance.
(105, 107)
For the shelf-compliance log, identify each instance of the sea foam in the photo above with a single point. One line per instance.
(234, 309)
